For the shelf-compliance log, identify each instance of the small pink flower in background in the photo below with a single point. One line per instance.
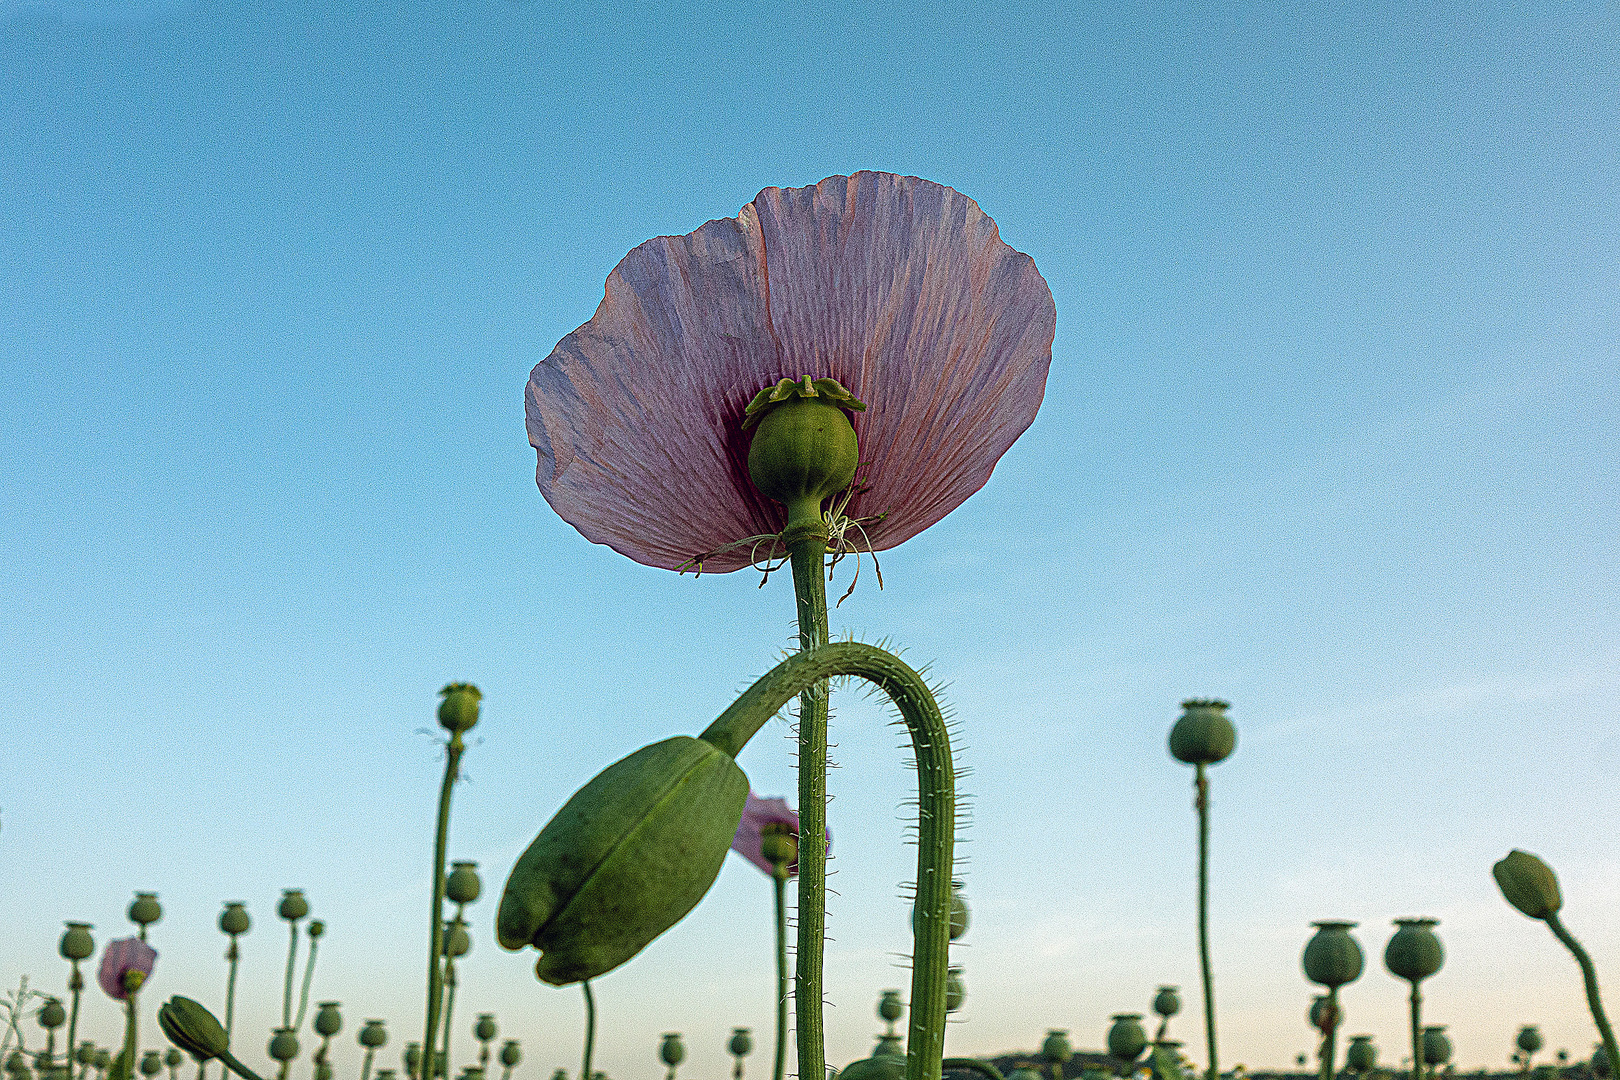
(757, 814)
(899, 288)
(120, 958)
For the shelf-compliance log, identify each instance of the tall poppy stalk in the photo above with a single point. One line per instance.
(458, 712)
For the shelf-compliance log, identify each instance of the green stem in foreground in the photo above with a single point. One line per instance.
(936, 821)
(1593, 1002)
(1202, 783)
(806, 540)
(1417, 1033)
(452, 761)
(779, 884)
(590, 1029)
(1330, 1030)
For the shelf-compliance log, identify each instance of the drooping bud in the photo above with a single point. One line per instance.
(192, 1028)
(625, 859)
(1528, 884)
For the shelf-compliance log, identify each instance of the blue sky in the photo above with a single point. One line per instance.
(1330, 432)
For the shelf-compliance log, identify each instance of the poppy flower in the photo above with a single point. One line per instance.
(120, 958)
(898, 288)
(758, 814)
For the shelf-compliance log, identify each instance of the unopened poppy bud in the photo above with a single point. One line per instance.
(804, 448)
(458, 712)
(192, 1028)
(625, 859)
(1528, 884)
(463, 886)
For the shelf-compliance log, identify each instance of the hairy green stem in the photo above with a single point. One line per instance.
(936, 823)
(590, 1029)
(1593, 1002)
(1329, 1030)
(1202, 783)
(452, 761)
(292, 969)
(779, 885)
(1417, 1033)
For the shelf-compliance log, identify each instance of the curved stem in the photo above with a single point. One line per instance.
(1329, 1031)
(936, 820)
(237, 1067)
(779, 884)
(590, 1029)
(983, 1068)
(1417, 1033)
(1202, 783)
(1593, 1002)
(452, 760)
(309, 974)
(292, 968)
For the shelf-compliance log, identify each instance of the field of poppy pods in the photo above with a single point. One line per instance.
(806, 384)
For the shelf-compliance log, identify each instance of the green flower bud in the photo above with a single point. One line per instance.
(876, 1067)
(889, 1007)
(511, 1054)
(77, 944)
(1414, 953)
(1529, 1039)
(51, 1014)
(955, 989)
(1127, 1038)
(1436, 1045)
(779, 845)
(328, 1019)
(625, 859)
(293, 906)
(192, 1028)
(151, 1063)
(234, 919)
(458, 712)
(373, 1034)
(1332, 957)
(672, 1051)
(1057, 1048)
(1167, 1002)
(741, 1043)
(145, 910)
(316, 929)
(1362, 1056)
(463, 885)
(1203, 735)
(283, 1045)
(804, 448)
(1528, 884)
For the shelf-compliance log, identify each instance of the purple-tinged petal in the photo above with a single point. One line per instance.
(121, 957)
(758, 813)
(899, 288)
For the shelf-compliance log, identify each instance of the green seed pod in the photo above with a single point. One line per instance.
(234, 919)
(103, 1058)
(193, 1028)
(328, 1019)
(1025, 1072)
(385, 1074)
(1414, 953)
(51, 1014)
(1057, 1049)
(511, 1054)
(1167, 1002)
(1436, 1045)
(151, 1063)
(1127, 1038)
(804, 448)
(323, 1070)
(1600, 1062)
(172, 1057)
(876, 1067)
(625, 859)
(1362, 1055)
(960, 913)
(463, 885)
(1528, 884)
(1203, 735)
(293, 906)
(741, 1043)
(457, 942)
(889, 1006)
(1332, 957)
(485, 1029)
(373, 1033)
(458, 712)
(672, 1051)
(145, 910)
(283, 1045)
(1529, 1039)
(412, 1058)
(316, 929)
(86, 1053)
(955, 989)
(889, 1046)
(76, 943)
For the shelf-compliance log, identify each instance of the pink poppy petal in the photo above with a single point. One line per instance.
(898, 287)
(121, 956)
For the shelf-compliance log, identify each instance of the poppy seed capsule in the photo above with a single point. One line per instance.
(804, 448)
(463, 885)
(293, 906)
(1167, 1002)
(1362, 1056)
(373, 1033)
(1127, 1038)
(145, 909)
(1436, 1045)
(889, 1007)
(1529, 1039)
(1332, 957)
(458, 712)
(485, 1029)
(876, 1067)
(1528, 884)
(234, 919)
(1203, 735)
(672, 1051)
(77, 944)
(173, 1058)
(151, 1063)
(511, 1054)
(625, 859)
(51, 1014)
(1057, 1048)
(328, 1020)
(283, 1045)
(741, 1043)
(955, 990)
(1414, 953)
